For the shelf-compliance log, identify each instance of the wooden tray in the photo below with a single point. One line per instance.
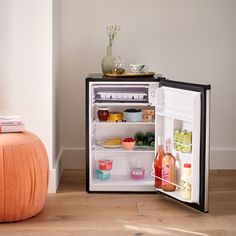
(127, 74)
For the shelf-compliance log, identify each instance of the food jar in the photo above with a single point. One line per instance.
(148, 115)
(103, 113)
(119, 66)
(115, 116)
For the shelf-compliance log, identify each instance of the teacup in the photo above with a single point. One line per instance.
(138, 68)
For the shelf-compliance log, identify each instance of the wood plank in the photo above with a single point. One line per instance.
(139, 231)
(72, 211)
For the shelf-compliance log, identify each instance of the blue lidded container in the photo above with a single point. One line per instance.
(133, 115)
(103, 174)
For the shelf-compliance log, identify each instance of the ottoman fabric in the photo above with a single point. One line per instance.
(24, 173)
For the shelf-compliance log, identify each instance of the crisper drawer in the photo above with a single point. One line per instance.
(120, 93)
(129, 171)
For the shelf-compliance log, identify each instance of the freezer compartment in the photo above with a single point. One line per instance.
(120, 93)
(130, 172)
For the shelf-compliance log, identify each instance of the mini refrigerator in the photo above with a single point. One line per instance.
(174, 106)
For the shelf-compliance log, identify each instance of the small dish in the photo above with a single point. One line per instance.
(128, 143)
(138, 68)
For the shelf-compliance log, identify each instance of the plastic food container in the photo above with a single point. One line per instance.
(148, 115)
(115, 116)
(103, 174)
(105, 164)
(137, 173)
(133, 115)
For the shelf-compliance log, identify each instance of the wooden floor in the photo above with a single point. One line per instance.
(74, 212)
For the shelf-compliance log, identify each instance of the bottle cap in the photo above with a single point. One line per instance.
(187, 165)
(168, 147)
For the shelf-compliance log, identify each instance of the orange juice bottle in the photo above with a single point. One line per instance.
(168, 170)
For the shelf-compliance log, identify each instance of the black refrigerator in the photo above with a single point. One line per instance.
(173, 107)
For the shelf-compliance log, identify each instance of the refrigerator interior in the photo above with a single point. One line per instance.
(178, 109)
(175, 109)
(117, 98)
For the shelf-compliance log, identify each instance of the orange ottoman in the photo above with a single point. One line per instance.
(24, 174)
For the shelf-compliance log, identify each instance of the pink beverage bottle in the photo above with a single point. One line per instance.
(158, 163)
(168, 169)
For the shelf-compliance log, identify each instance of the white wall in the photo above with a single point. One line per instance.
(26, 85)
(185, 40)
(56, 92)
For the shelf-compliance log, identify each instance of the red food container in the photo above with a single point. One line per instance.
(137, 173)
(105, 164)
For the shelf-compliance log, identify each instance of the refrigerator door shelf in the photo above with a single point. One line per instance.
(177, 195)
(183, 154)
(187, 117)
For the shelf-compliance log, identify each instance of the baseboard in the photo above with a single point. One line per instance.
(68, 158)
(220, 158)
(55, 174)
(73, 158)
(223, 158)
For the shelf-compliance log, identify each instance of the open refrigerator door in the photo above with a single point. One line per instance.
(180, 120)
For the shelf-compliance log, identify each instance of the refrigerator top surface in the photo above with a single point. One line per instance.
(100, 77)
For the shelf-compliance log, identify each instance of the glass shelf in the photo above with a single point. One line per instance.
(97, 148)
(125, 103)
(97, 122)
(124, 179)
